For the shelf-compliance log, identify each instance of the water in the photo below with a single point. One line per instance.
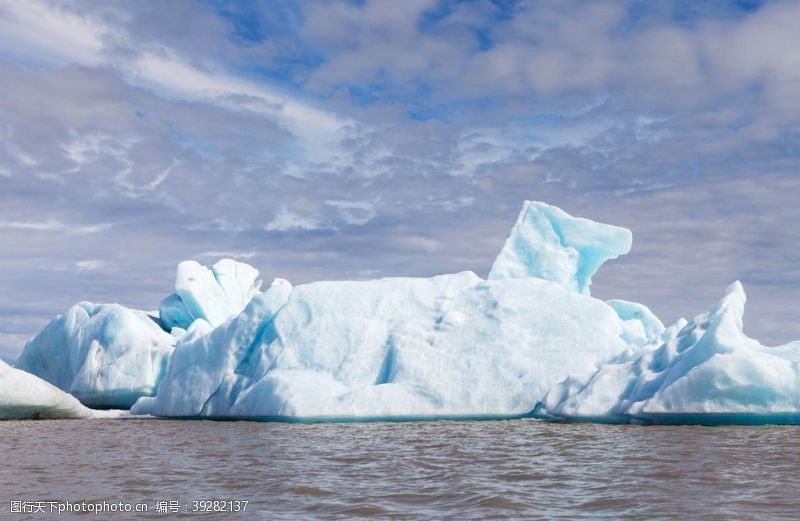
(465, 470)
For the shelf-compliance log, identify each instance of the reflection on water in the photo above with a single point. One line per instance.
(522, 468)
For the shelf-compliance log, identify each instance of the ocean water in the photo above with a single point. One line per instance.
(463, 470)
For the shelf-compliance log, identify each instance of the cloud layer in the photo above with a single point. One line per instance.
(361, 139)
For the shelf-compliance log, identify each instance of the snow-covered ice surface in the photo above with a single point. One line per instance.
(105, 355)
(548, 243)
(703, 371)
(24, 396)
(448, 346)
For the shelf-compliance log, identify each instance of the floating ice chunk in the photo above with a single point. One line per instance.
(448, 346)
(105, 355)
(704, 371)
(214, 294)
(25, 396)
(548, 243)
(638, 317)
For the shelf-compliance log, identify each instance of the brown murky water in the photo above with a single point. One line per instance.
(477, 470)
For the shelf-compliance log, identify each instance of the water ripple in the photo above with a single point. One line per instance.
(470, 470)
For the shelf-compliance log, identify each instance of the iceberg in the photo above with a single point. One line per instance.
(527, 341)
(704, 371)
(24, 396)
(408, 348)
(213, 295)
(105, 355)
(548, 243)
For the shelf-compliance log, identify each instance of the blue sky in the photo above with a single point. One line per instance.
(332, 140)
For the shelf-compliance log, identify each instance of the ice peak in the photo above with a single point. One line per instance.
(550, 244)
(734, 294)
(731, 305)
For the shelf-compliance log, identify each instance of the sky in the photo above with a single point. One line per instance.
(360, 139)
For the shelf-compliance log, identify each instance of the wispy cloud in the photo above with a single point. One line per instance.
(90, 265)
(52, 225)
(225, 254)
(354, 212)
(88, 40)
(69, 36)
(179, 78)
(287, 220)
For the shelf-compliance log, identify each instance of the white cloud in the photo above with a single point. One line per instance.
(417, 243)
(354, 212)
(547, 49)
(48, 33)
(287, 220)
(23, 158)
(90, 265)
(184, 80)
(55, 226)
(84, 149)
(226, 254)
